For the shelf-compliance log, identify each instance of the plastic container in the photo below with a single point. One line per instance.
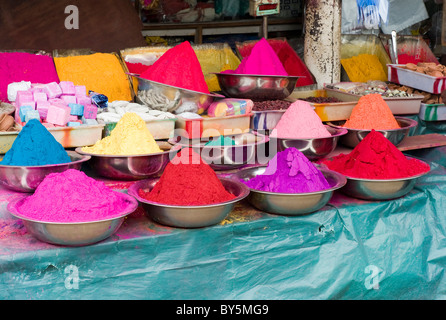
(332, 111)
(68, 137)
(160, 129)
(398, 105)
(354, 45)
(206, 127)
(432, 112)
(416, 80)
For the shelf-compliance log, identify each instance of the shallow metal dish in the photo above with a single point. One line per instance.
(313, 149)
(379, 189)
(189, 216)
(28, 178)
(230, 156)
(256, 87)
(132, 167)
(290, 204)
(73, 233)
(159, 95)
(395, 136)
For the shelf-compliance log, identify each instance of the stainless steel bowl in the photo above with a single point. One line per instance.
(290, 204)
(379, 189)
(169, 98)
(28, 178)
(227, 157)
(313, 149)
(256, 87)
(189, 216)
(395, 136)
(73, 233)
(132, 167)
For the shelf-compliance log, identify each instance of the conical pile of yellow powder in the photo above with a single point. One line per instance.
(130, 137)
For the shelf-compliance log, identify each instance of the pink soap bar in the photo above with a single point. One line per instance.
(67, 87)
(28, 103)
(23, 97)
(90, 111)
(68, 98)
(58, 115)
(80, 91)
(39, 96)
(48, 125)
(72, 118)
(58, 102)
(52, 90)
(83, 100)
(42, 108)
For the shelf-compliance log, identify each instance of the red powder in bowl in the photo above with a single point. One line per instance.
(187, 181)
(178, 67)
(375, 157)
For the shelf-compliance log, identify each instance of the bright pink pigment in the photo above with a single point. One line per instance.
(262, 60)
(23, 66)
(72, 196)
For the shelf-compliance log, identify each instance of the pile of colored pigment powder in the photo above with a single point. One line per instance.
(300, 121)
(35, 146)
(187, 181)
(289, 172)
(262, 60)
(99, 72)
(371, 112)
(220, 141)
(72, 196)
(178, 67)
(129, 137)
(22, 66)
(375, 157)
(364, 67)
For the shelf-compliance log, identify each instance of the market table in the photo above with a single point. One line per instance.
(350, 249)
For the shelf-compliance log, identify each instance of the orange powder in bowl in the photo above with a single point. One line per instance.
(372, 112)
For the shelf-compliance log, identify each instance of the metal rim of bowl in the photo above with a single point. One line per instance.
(97, 155)
(257, 75)
(133, 191)
(341, 181)
(340, 131)
(84, 158)
(214, 95)
(133, 205)
(264, 139)
(396, 179)
(410, 124)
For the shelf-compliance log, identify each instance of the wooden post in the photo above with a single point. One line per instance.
(322, 44)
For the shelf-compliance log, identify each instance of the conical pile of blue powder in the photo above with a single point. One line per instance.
(35, 146)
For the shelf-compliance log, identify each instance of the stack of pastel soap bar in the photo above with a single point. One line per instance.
(55, 104)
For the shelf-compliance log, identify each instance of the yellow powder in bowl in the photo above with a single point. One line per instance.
(100, 72)
(130, 137)
(372, 112)
(364, 67)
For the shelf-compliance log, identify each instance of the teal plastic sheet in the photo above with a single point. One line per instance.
(350, 249)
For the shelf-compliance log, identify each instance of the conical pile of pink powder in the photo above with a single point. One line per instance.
(262, 60)
(300, 121)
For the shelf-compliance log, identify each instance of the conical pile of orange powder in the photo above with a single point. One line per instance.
(372, 112)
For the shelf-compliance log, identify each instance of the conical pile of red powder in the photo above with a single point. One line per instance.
(375, 157)
(188, 181)
(178, 67)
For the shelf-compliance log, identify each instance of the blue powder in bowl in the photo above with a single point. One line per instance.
(35, 146)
